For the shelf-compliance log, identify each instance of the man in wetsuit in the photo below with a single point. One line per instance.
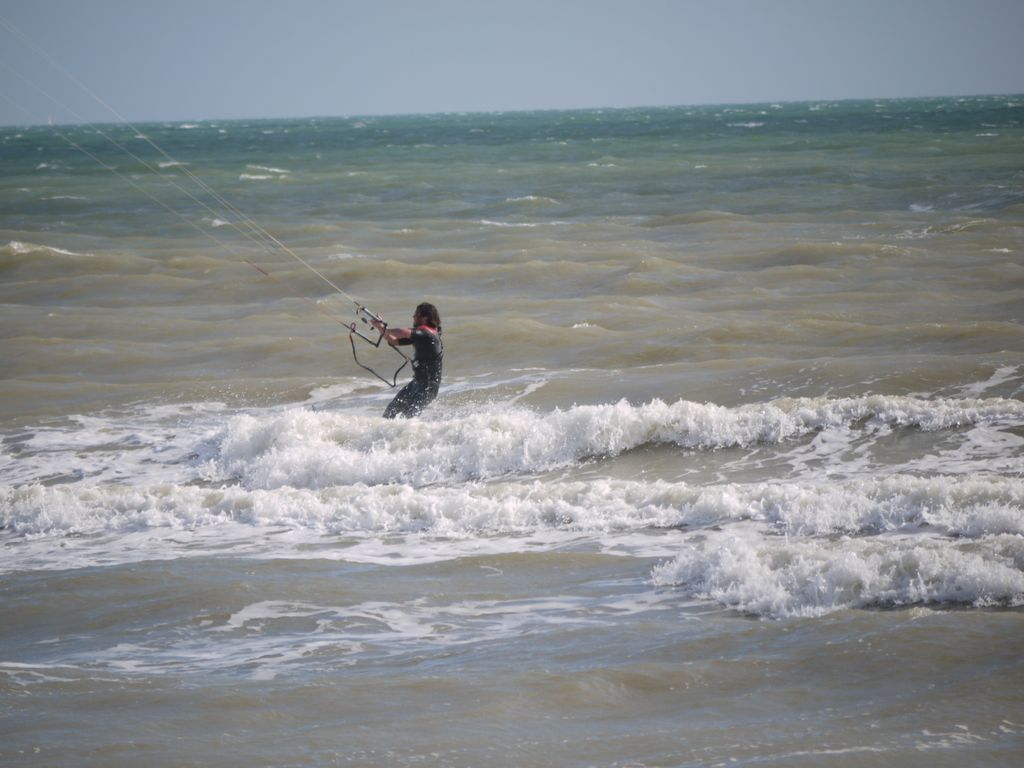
(425, 336)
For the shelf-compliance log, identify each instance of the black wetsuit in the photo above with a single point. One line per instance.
(426, 368)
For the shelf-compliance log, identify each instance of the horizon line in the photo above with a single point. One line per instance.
(524, 110)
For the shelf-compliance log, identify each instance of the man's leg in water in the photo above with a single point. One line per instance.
(407, 403)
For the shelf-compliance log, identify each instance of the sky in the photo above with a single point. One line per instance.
(70, 61)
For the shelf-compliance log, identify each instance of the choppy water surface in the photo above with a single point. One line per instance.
(727, 468)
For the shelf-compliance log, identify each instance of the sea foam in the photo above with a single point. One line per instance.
(307, 449)
(770, 549)
(956, 508)
(780, 577)
(297, 482)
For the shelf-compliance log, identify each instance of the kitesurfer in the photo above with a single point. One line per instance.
(425, 337)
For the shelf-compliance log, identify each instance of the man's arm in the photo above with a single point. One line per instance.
(392, 335)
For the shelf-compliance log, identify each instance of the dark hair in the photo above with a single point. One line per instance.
(429, 313)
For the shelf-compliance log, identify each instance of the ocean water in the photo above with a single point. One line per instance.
(727, 466)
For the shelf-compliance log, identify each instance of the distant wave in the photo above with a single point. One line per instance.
(268, 169)
(18, 248)
(533, 200)
(521, 224)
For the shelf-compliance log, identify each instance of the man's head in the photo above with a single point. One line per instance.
(427, 314)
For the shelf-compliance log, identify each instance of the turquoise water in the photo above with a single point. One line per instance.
(727, 466)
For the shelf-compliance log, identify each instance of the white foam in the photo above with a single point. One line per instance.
(509, 225)
(19, 248)
(832, 531)
(268, 169)
(316, 450)
(265, 639)
(26, 675)
(332, 392)
(1000, 376)
(402, 524)
(142, 448)
(532, 199)
(782, 577)
(303, 448)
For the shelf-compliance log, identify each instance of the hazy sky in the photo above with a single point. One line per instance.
(196, 59)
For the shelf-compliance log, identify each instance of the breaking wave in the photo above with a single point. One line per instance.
(316, 450)
(298, 482)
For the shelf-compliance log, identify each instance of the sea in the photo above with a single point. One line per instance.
(727, 467)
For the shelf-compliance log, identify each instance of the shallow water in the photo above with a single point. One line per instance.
(727, 468)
